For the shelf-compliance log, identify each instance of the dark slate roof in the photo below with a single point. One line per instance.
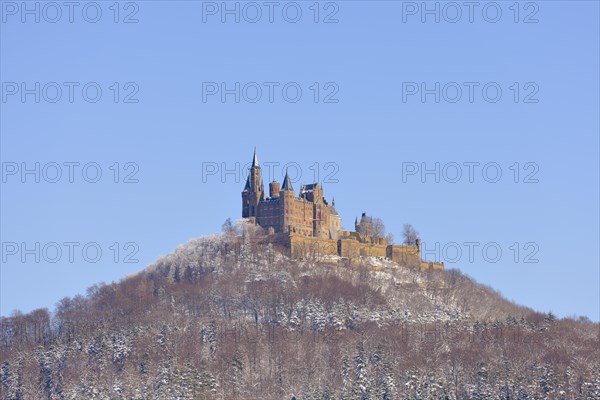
(287, 183)
(255, 159)
(247, 187)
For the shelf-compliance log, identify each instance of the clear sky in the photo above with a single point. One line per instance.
(366, 133)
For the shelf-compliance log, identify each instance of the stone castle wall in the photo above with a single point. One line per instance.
(352, 248)
(404, 254)
(307, 246)
(425, 265)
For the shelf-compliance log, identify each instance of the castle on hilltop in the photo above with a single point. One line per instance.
(309, 225)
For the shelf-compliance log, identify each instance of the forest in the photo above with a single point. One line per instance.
(227, 317)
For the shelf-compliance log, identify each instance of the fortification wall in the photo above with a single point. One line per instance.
(305, 246)
(404, 254)
(300, 246)
(351, 248)
(425, 265)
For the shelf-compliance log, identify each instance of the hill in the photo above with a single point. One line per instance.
(226, 317)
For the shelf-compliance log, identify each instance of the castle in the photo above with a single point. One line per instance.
(308, 224)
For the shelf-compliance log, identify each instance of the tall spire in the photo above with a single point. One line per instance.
(287, 183)
(255, 159)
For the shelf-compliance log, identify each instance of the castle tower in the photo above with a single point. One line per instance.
(364, 227)
(335, 222)
(254, 191)
(274, 189)
(287, 196)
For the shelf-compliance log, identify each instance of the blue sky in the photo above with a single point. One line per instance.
(364, 130)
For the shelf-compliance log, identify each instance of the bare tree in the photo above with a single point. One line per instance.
(229, 230)
(389, 238)
(378, 228)
(409, 234)
(228, 227)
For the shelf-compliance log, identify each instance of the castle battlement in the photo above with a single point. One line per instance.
(308, 224)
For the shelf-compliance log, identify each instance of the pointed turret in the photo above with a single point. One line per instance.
(287, 183)
(255, 159)
(254, 191)
(332, 209)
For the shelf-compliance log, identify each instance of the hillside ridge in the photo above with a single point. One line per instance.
(226, 316)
